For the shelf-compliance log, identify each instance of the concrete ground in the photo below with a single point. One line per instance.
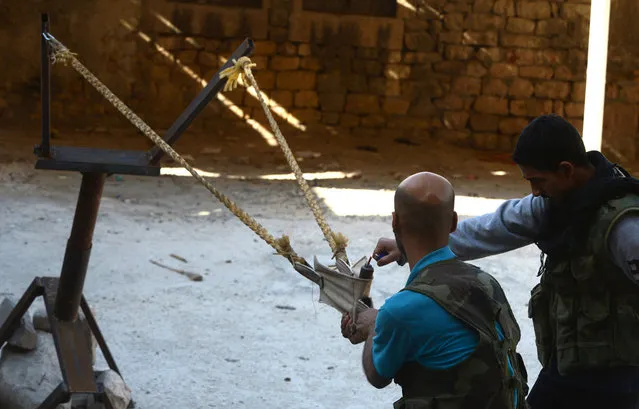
(252, 333)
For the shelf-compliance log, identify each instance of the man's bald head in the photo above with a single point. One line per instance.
(424, 206)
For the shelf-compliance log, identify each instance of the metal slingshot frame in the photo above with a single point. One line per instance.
(63, 296)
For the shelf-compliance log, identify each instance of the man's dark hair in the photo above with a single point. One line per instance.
(548, 140)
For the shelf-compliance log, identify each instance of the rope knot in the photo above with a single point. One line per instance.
(237, 73)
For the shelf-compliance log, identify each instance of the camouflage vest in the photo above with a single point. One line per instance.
(483, 380)
(585, 310)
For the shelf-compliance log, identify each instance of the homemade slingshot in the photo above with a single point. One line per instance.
(340, 285)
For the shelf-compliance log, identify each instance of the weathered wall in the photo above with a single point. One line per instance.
(472, 72)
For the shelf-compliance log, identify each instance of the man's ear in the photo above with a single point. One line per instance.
(453, 226)
(566, 169)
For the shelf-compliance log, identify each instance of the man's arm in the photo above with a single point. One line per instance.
(373, 377)
(513, 225)
(623, 244)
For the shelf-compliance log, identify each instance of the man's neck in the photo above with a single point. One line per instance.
(418, 251)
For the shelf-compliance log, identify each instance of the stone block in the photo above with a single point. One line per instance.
(395, 106)
(397, 71)
(458, 52)
(485, 38)
(563, 72)
(307, 116)
(620, 125)
(362, 104)
(451, 102)
(521, 88)
(356, 83)
(265, 48)
(476, 69)
(450, 37)
(304, 50)
(454, 21)
(485, 140)
(306, 99)
(490, 55)
(449, 67)
(283, 98)
(287, 49)
(512, 126)
(278, 34)
(531, 107)
(24, 336)
(296, 80)
(558, 108)
(575, 11)
(612, 91)
(265, 79)
(423, 108)
(310, 63)
(495, 87)
(373, 121)
(456, 119)
(536, 10)
(483, 22)
(365, 133)
(330, 82)
(349, 120)
(520, 25)
(552, 89)
(503, 70)
(630, 92)
(550, 57)
(394, 57)
(420, 41)
(330, 118)
(485, 104)
(504, 8)
(284, 63)
(367, 53)
(483, 6)
(484, 122)
(552, 27)
(538, 72)
(523, 41)
(333, 102)
(466, 86)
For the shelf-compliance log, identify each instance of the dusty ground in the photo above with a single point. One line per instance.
(252, 333)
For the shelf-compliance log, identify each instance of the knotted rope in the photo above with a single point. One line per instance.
(241, 70)
(281, 245)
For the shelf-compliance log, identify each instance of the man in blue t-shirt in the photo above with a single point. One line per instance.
(411, 327)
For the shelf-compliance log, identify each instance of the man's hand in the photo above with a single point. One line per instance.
(388, 247)
(357, 332)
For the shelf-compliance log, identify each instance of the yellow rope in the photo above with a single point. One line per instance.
(241, 70)
(282, 245)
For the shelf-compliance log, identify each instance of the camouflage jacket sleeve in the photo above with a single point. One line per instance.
(513, 225)
(623, 243)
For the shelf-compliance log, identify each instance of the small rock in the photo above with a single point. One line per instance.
(118, 393)
(41, 320)
(27, 378)
(287, 379)
(24, 337)
(285, 307)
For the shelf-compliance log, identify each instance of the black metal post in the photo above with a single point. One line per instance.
(45, 90)
(78, 250)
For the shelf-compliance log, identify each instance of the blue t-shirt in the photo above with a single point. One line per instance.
(411, 326)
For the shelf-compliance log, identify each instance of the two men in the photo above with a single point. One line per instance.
(583, 214)
(449, 337)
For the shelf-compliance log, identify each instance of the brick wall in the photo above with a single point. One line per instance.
(471, 72)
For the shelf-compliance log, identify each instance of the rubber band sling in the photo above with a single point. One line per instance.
(282, 245)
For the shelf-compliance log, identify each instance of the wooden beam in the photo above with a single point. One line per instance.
(596, 74)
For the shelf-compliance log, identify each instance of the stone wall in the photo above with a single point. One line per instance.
(472, 72)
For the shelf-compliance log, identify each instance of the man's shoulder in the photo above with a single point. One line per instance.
(405, 307)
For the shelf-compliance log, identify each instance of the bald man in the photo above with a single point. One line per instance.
(449, 335)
